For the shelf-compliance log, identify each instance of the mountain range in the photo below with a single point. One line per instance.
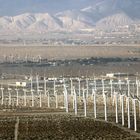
(101, 14)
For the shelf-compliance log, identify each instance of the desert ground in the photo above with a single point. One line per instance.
(55, 124)
(72, 53)
(62, 127)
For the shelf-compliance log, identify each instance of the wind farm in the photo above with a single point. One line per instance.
(98, 89)
(69, 70)
(113, 99)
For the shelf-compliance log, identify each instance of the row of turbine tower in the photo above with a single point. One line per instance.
(17, 58)
(67, 92)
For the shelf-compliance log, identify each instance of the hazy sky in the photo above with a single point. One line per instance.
(15, 7)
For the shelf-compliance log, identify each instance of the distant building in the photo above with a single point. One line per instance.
(111, 75)
(18, 84)
(21, 84)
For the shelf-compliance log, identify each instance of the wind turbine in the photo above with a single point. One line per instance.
(26, 58)
(45, 87)
(9, 91)
(65, 97)
(135, 114)
(17, 103)
(71, 82)
(116, 102)
(55, 93)
(139, 106)
(25, 90)
(75, 102)
(40, 98)
(79, 86)
(85, 103)
(128, 88)
(94, 102)
(137, 85)
(39, 59)
(95, 85)
(104, 99)
(72, 91)
(128, 111)
(120, 84)
(5, 58)
(32, 91)
(111, 88)
(48, 98)
(2, 96)
(87, 88)
(37, 83)
(128, 92)
(122, 107)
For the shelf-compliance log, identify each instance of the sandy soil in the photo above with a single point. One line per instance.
(72, 70)
(71, 52)
(37, 123)
(62, 127)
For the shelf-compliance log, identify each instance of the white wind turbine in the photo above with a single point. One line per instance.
(39, 58)
(94, 102)
(95, 85)
(137, 85)
(128, 92)
(128, 111)
(116, 105)
(65, 97)
(128, 88)
(40, 98)
(71, 83)
(25, 96)
(72, 91)
(87, 88)
(2, 95)
(104, 99)
(37, 83)
(79, 86)
(11, 58)
(26, 58)
(5, 58)
(55, 93)
(75, 102)
(122, 107)
(139, 106)
(17, 94)
(120, 84)
(111, 88)
(85, 103)
(135, 114)
(32, 91)
(48, 98)
(9, 91)
(45, 87)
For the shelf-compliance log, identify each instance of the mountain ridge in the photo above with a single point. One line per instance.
(103, 15)
(47, 22)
